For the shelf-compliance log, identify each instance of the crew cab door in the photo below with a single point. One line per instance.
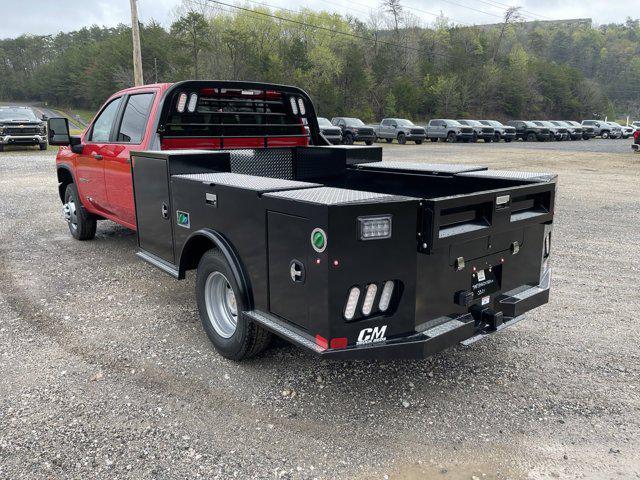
(90, 163)
(129, 134)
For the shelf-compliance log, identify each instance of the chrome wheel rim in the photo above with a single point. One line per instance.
(221, 304)
(70, 214)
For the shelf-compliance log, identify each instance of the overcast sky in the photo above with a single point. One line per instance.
(52, 16)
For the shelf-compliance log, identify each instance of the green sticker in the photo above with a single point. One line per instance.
(318, 240)
(183, 219)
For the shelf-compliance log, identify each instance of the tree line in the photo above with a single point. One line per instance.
(386, 65)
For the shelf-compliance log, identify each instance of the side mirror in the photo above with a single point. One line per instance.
(394, 125)
(44, 118)
(597, 124)
(444, 125)
(58, 129)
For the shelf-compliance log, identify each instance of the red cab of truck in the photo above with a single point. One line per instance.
(94, 171)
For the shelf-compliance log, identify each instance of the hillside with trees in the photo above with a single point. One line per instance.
(368, 67)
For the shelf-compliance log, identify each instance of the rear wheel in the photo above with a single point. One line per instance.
(368, 142)
(220, 305)
(402, 139)
(82, 224)
(451, 137)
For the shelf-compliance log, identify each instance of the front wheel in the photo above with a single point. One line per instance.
(451, 137)
(220, 305)
(434, 140)
(531, 137)
(368, 142)
(389, 140)
(82, 224)
(348, 139)
(43, 146)
(507, 140)
(605, 135)
(402, 139)
(418, 142)
(496, 137)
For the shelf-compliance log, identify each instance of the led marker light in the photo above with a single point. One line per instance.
(294, 105)
(375, 227)
(385, 297)
(352, 303)
(370, 296)
(182, 102)
(301, 106)
(193, 100)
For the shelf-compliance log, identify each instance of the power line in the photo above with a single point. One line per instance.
(317, 27)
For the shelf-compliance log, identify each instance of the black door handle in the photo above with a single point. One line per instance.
(165, 211)
(97, 156)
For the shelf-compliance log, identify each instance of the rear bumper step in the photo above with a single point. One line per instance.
(430, 338)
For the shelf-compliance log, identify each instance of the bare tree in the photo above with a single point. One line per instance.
(511, 15)
(394, 8)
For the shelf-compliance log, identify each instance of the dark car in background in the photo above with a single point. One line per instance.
(501, 132)
(479, 130)
(20, 126)
(330, 131)
(529, 131)
(354, 130)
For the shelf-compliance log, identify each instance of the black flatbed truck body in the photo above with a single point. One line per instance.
(467, 255)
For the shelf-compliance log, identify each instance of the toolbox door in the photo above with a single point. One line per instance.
(153, 208)
(288, 267)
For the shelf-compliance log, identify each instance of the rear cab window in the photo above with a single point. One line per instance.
(135, 118)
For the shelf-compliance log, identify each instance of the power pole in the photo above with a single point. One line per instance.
(137, 54)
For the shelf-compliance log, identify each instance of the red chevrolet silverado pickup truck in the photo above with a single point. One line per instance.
(94, 172)
(329, 247)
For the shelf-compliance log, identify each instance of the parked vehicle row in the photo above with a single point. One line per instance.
(348, 130)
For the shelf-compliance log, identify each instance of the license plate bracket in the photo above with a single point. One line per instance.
(485, 282)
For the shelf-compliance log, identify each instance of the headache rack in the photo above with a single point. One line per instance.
(224, 111)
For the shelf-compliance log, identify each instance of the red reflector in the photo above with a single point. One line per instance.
(207, 91)
(322, 342)
(273, 94)
(340, 342)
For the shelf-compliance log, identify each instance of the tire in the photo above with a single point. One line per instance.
(507, 140)
(402, 139)
(1, 147)
(368, 142)
(389, 140)
(531, 137)
(451, 137)
(497, 137)
(418, 142)
(218, 297)
(347, 139)
(605, 135)
(434, 140)
(43, 146)
(475, 138)
(82, 224)
(488, 140)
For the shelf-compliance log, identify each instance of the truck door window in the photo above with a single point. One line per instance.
(135, 118)
(101, 130)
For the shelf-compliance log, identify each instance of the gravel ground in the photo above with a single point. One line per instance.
(106, 372)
